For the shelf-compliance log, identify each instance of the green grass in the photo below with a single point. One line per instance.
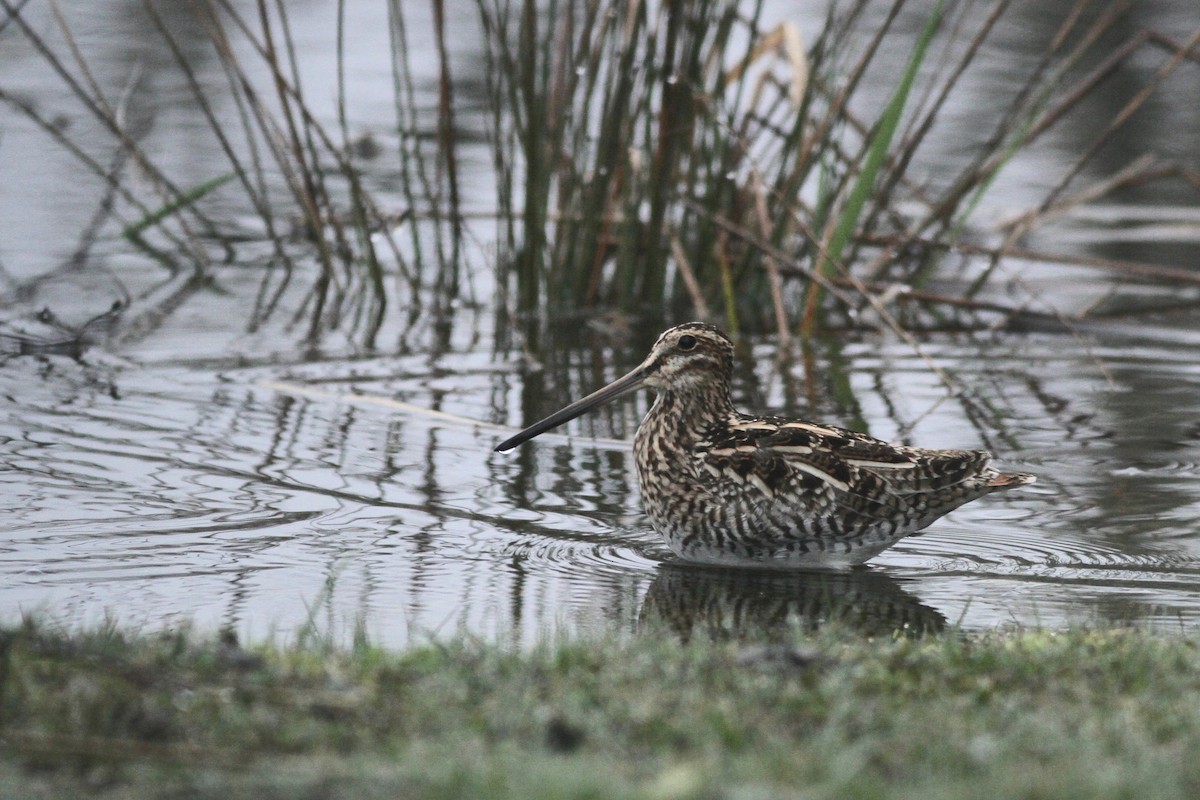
(1082, 714)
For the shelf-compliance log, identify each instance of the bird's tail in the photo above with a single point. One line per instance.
(1008, 480)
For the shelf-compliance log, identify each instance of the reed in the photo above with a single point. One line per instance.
(666, 159)
(678, 159)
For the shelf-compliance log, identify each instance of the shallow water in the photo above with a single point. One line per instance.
(267, 498)
(205, 473)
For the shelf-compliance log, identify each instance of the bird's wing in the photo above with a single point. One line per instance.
(791, 466)
(826, 470)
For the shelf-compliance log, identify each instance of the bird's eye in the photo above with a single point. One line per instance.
(687, 342)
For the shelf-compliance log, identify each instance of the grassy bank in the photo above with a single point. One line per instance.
(1026, 714)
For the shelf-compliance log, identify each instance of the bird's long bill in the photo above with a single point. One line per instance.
(615, 389)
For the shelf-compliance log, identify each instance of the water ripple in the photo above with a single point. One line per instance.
(224, 499)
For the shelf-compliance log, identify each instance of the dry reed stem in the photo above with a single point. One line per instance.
(772, 267)
(689, 279)
(1123, 116)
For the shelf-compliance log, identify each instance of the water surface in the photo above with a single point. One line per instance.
(265, 498)
(199, 469)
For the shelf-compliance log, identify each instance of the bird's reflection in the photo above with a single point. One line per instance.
(719, 603)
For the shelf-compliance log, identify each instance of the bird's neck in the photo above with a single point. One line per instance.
(684, 417)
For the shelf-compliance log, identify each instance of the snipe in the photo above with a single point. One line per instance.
(729, 488)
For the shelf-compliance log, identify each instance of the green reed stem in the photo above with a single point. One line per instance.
(876, 153)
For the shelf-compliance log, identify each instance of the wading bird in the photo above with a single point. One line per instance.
(723, 487)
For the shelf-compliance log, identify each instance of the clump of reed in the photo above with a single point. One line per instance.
(681, 159)
(682, 156)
